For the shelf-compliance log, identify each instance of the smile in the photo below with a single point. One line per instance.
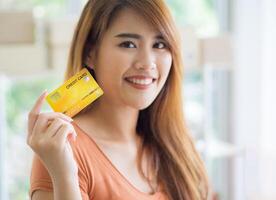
(143, 83)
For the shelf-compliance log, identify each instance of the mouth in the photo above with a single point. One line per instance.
(140, 83)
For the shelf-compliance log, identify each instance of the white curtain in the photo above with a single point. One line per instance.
(3, 179)
(254, 97)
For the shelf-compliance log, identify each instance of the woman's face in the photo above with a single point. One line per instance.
(132, 62)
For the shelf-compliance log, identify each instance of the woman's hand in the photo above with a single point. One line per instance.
(48, 136)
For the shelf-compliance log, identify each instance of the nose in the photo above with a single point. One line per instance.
(145, 60)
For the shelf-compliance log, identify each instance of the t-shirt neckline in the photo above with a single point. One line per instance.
(113, 167)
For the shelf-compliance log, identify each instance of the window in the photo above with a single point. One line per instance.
(20, 97)
(201, 14)
(21, 92)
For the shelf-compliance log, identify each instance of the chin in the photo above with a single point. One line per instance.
(141, 105)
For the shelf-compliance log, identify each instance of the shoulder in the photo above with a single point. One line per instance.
(83, 147)
(85, 157)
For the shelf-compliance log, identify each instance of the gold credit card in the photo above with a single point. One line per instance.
(75, 94)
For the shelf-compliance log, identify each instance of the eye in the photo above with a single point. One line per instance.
(160, 45)
(127, 44)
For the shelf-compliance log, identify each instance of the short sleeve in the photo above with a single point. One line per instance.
(41, 180)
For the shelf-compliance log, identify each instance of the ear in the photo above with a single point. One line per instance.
(90, 60)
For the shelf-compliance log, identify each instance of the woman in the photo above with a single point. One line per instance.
(132, 142)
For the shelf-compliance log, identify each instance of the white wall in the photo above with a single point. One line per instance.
(268, 101)
(254, 100)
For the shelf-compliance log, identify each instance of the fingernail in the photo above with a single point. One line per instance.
(70, 119)
(45, 92)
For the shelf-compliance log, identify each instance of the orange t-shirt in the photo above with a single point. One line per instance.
(98, 177)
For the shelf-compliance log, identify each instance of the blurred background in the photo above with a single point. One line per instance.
(229, 86)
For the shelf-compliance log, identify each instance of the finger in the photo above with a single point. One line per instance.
(35, 112)
(54, 127)
(64, 132)
(53, 115)
(45, 119)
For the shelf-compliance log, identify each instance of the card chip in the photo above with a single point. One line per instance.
(55, 97)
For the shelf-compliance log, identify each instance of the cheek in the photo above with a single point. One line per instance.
(111, 67)
(113, 60)
(165, 63)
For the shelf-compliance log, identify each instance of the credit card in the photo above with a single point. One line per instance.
(75, 94)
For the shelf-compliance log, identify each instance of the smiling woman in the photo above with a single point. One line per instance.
(132, 143)
(132, 55)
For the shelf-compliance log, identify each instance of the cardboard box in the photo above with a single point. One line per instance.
(22, 59)
(59, 37)
(60, 31)
(16, 27)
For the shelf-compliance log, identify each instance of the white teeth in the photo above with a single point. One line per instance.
(141, 81)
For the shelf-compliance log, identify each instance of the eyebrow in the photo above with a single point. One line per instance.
(136, 36)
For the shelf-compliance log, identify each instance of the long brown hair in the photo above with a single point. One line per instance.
(174, 161)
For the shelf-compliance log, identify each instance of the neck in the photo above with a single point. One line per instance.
(115, 123)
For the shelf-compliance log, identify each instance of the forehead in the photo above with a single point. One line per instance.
(129, 20)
